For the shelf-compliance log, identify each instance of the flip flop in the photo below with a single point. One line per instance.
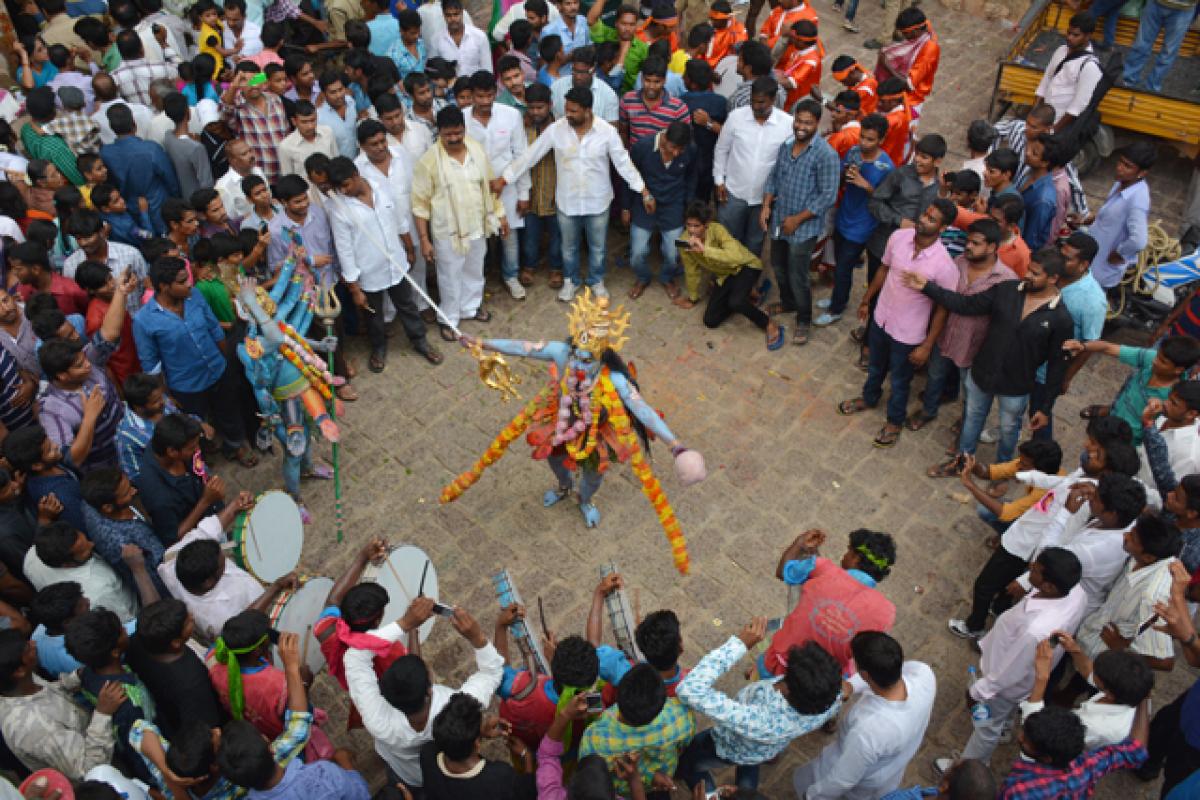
(1091, 412)
(887, 438)
(947, 469)
(447, 333)
(852, 406)
(777, 342)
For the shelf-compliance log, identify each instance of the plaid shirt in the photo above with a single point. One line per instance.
(1032, 780)
(281, 11)
(133, 79)
(263, 132)
(544, 180)
(808, 182)
(78, 130)
(285, 748)
(52, 148)
(659, 743)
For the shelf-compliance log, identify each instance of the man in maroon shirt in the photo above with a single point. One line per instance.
(30, 262)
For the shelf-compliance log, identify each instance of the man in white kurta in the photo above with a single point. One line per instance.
(883, 729)
(501, 131)
(456, 212)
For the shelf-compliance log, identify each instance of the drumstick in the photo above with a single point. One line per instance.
(407, 594)
(253, 538)
(424, 572)
(307, 636)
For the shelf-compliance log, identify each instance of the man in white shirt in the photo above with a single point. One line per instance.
(883, 729)
(1006, 668)
(501, 131)
(456, 209)
(398, 708)
(308, 138)
(61, 553)
(368, 222)
(463, 44)
(1071, 76)
(416, 139)
(605, 103)
(1176, 424)
(583, 148)
(241, 34)
(106, 95)
(1124, 680)
(1122, 622)
(743, 158)
(1097, 536)
(242, 164)
(517, 11)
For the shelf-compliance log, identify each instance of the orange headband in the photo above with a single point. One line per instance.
(916, 27)
(842, 74)
(895, 96)
(805, 39)
(719, 15)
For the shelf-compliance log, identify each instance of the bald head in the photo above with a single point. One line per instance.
(104, 87)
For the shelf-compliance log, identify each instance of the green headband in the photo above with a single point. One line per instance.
(878, 561)
(228, 656)
(257, 79)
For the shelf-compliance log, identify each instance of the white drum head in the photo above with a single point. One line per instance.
(273, 537)
(299, 615)
(400, 574)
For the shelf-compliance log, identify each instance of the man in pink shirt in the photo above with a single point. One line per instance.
(905, 324)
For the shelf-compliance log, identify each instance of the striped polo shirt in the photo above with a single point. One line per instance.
(644, 121)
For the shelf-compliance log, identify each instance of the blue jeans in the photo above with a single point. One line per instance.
(741, 220)
(847, 257)
(979, 405)
(531, 242)
(1111, 11)
(791, 261)
(639, 244)
(1174, 25)
(851, 9)
(991, 519)
(700, 758)
(510, 254)
(888, 356)
(571, 229)
(938, 373)
(1036, 397)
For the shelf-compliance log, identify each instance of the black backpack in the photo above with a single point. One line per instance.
(1084, 127)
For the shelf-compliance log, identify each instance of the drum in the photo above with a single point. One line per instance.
(401, 574)
(267, 539)
(297, 612)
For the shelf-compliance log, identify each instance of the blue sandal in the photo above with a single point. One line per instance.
(777, 342)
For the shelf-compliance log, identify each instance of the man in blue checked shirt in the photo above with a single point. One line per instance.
(765, 717)
(968, 779)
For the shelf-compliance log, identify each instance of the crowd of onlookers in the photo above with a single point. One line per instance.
(391, 153)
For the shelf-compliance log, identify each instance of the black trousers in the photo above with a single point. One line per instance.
(1000, 570)
(733, 297)
(222, 404)
(1168, 749)
(406, 312)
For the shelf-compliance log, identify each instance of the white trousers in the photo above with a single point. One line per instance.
(460, 278)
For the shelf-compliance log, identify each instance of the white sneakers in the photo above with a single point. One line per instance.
(567, 293)
(599, 289)
(515, 288)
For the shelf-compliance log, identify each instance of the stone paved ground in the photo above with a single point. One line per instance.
(780, 459)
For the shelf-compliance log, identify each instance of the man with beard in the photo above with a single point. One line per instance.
(651, 109)
(799, 192)
(605, 103)
(583, 148)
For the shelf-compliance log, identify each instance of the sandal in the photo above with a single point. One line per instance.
(777, 342)
(346, 393)
(556, 280)
(377, 362)
(525, 276)
(447, 333)
(918, 420)
(853, 406)
(672, 289)
(887, 437)
(431, 354)
(859, 334)
(949, 468)
(245, 456)
(482, 315)
(1091, 412)
(638, 289)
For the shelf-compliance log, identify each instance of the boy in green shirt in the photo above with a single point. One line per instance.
(208, 274)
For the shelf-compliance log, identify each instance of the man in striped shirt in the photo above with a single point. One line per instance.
(651, 109)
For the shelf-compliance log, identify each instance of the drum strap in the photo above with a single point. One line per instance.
(528, 688)
(326, 632)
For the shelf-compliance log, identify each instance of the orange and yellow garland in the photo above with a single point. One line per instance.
(604, 396)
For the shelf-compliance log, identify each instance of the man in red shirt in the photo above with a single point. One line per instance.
(836, 601)
(782, 18)
(98, 281)
(727, 32)
(894, 106)
(846, 127)
(849, 73)
(800, 65)
(30, 262)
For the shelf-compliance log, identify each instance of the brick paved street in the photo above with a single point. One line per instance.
(780, 460)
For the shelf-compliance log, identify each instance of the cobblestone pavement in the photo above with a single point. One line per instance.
(780, 460)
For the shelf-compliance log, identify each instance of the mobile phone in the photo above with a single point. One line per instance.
(1055, 640)
(595, 702)
(442, 609)
(682, 244)
(1146, 625)
(715, 794)
(774, 624)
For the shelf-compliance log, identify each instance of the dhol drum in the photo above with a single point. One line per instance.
(268, 538)
(297, 612)
(402, 574)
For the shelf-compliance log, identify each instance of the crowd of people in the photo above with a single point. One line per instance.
(175, 155)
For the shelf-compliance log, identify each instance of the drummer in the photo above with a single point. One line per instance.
(196, 570)
(352, 609)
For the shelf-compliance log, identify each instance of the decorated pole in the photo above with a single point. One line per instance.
(328, 308)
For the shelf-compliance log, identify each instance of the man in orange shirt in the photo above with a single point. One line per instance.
(850, 73)
(914, 58)
(727, 32)
(783, 17)
(892, 104)
(1006, 210)
(844, 112)
(799, 67)
(662, 24)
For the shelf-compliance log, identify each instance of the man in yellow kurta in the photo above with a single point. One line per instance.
(712, 251)
(456, 211)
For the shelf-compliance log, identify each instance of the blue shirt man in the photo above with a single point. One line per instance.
(139, 168)
(184, 347)
(1041, 205)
